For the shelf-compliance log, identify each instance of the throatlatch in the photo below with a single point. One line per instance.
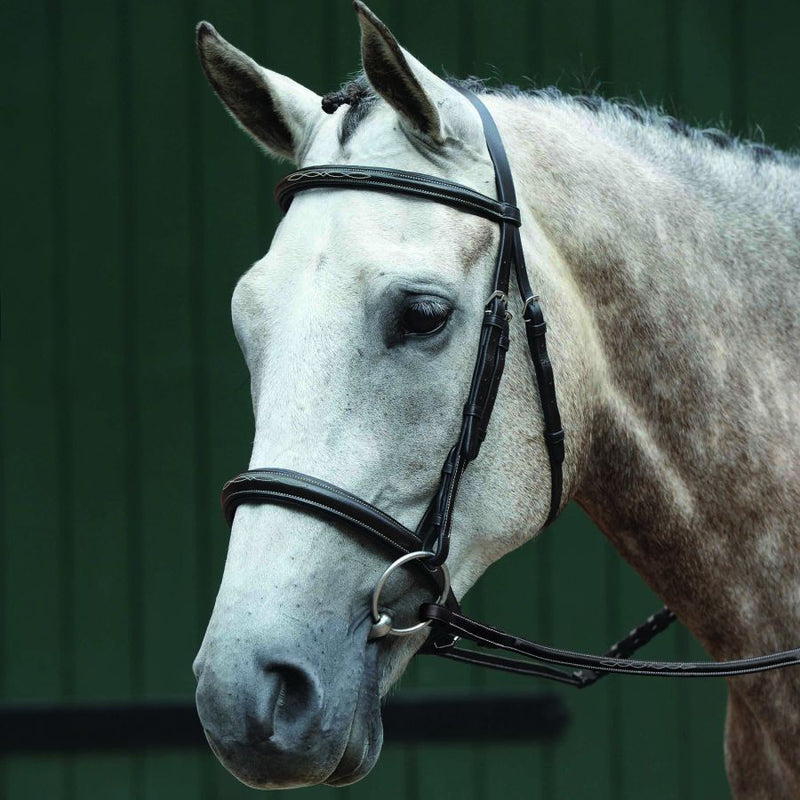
(427, 548)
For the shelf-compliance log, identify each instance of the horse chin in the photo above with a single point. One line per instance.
(366, 731)
(362, 750)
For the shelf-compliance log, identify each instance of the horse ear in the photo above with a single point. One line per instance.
(277, 112)
(411, 88)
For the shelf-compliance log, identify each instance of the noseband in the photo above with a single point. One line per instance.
(426, 549)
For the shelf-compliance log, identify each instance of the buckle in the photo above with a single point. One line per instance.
(446, 642)
(529, 301)
(497, 294)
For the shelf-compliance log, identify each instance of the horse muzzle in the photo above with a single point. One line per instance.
(280, 720)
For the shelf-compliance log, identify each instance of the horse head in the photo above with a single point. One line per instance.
(359, 328)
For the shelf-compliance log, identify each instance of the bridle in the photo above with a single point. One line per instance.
(426, 548)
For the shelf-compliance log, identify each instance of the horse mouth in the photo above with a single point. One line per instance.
(365, 737)
(255, 765)
(356, 763)
(360, 754)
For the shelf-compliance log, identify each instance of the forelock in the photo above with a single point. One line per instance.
(359, 97)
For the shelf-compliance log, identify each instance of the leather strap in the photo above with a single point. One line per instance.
(535, 330)
(286, 487)
(434, 528)
(535, 327)
(395, 181)
(449, 625)
(591, 667)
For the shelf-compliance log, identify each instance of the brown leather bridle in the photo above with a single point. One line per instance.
(426, 549)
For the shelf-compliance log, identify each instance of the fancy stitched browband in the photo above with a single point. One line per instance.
(426, 549)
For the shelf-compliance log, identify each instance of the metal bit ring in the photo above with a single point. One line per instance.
(381, 621)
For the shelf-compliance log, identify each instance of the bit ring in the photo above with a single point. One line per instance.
(382, 622)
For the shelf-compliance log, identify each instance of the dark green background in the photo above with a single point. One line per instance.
(131, 206)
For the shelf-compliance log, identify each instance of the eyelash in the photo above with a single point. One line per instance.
(429, 309)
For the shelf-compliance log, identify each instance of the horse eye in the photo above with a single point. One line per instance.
(424, 317)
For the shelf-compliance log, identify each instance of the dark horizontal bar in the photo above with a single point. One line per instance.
(449, 718)
(433, 718)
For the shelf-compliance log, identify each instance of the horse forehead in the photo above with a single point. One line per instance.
(338, 228)
(342, 239)
(379, 140)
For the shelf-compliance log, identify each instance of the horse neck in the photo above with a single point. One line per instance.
(684, 263)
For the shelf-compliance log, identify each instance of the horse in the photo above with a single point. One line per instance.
(667, 260)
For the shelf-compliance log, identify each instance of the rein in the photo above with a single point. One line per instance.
(426, 549)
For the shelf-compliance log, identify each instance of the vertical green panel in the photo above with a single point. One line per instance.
(99, 776)
(177, 775)
(569, 44)
(704, 87)
(513, 599)
(638, 50)
(580, 588)
(97, 371)
(655, 768)
(770, 70)
(389, 778)
(163, 275)
(96, 191)
(32, 412)
(340, 57)
(164, 595)
(433, 32)
(490, 55)
(32, 777)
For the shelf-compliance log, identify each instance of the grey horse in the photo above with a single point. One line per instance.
(669, 271)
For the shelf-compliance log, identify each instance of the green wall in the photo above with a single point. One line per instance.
(131, 206)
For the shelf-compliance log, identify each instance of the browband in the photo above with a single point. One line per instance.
(395, 181)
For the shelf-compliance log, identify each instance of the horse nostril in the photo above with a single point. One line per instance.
(291, 700)
(267, 708)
